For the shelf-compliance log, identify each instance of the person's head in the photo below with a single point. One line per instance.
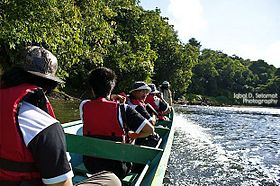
(38, 66)
(153, 89)
(165, 85)
(102, 81)
(140, 90)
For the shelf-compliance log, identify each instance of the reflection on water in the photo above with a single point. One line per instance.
(225, 146)
(66, 111)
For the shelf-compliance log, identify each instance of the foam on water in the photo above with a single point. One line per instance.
(217, 153)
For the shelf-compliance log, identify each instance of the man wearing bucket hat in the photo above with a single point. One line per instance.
(157, 102)
(137, 97)
(33, 148)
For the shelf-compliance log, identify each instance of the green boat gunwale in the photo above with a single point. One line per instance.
(154, 159)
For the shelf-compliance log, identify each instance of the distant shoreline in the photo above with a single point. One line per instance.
(225, 105)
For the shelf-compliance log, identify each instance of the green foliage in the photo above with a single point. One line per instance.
(219, 75)
(194, 43)
(137, 44)
(72, 32)
(262, 70)
(277, 72)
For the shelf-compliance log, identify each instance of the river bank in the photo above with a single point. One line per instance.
(193, 99)
(190, 100)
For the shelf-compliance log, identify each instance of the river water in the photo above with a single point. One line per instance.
(231, 146)
(225, 146)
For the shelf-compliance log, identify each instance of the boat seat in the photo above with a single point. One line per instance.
(164, 123)
(82, 173)
(82, 145)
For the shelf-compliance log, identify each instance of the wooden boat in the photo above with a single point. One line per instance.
(154, 160)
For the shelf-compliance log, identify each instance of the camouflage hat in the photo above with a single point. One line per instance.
(41, 62)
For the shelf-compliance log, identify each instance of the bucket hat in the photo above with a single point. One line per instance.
(166, 83)
(41, 62)
(140, 85)
(153, 88)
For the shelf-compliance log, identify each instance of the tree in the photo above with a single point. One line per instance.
(130, 53)
(262, 70)
(194, 43)
(73, 31)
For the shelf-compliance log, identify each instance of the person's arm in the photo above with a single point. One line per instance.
(145, 114)
(68, 182)
(45, 139)
(162, 105)
(139, 126)
(118, 97)
(153, 120)
(147, 130)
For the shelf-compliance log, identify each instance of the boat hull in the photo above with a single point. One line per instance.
(154, 160)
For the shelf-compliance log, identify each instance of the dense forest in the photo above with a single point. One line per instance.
(137, 44)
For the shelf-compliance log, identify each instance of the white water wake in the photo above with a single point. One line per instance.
(200, 157)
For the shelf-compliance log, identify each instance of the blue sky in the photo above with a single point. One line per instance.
(247, 28)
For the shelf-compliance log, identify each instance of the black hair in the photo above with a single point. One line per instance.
(102, 81)
(17, 76)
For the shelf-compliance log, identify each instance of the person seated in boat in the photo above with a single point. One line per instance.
(159, 106)
(166, 92)
(110, 120)
(136, 98)
(32, 141)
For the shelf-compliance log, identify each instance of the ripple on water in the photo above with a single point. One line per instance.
(216, 146)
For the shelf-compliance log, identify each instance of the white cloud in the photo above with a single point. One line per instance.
(187, 18)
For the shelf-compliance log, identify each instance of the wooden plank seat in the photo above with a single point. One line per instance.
(162, 131)
(79, 145)
(82, 173)
(164, 123)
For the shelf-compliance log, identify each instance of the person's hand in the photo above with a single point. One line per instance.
(159, 95)
(117, 97)
(133, 135)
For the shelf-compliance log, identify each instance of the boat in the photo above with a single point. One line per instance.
(154, 160)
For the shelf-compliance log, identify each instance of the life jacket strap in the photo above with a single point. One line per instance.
(17, 166)
(123, 114)
(33, 182)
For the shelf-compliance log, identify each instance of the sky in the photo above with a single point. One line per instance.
(247, 28)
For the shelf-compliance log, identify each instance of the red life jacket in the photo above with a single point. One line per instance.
(100, 118)
(151, 100)
(137, 102)
(16, 161)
